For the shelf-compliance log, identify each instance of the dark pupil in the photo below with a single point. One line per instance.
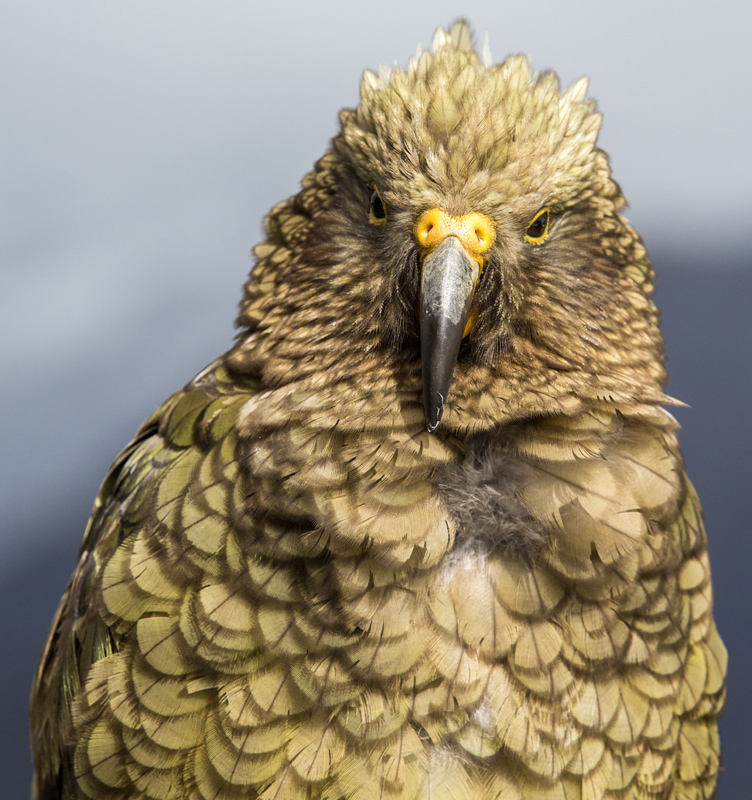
(537, 226)
(377, 207)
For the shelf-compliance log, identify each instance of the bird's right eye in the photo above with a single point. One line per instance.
(537, 230)
(378, 209)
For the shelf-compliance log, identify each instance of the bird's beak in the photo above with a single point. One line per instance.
(451, 264)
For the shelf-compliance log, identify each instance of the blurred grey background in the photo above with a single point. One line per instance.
(141, 144)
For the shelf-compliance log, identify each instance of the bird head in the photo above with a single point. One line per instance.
(461, 240)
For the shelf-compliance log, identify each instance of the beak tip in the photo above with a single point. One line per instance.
(434, 412)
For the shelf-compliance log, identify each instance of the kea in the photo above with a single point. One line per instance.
(425, 530)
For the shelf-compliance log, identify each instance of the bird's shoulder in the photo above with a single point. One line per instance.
(186, 444)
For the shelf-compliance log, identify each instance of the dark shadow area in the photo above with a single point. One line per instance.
(708, 330)
(707, 326)
(29, 600)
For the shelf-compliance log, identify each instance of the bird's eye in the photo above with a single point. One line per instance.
(378, 209)
(537, 230)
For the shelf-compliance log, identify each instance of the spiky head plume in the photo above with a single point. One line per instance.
(477, 133)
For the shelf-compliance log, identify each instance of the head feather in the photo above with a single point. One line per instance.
(556, 324)
(471, 121)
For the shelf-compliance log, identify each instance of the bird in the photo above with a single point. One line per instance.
(425, 530)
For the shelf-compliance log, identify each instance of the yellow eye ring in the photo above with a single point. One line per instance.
(378, 209)
(537, 230)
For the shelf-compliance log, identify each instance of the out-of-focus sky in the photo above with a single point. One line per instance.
(141, 144)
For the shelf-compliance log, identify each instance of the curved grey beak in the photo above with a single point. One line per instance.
(448, 280)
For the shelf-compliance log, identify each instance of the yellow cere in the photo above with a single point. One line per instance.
(477, 232)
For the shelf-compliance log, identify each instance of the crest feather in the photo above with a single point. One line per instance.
(443, 114)
(440, 40)
(448, 120)
(577, 91)
(461, 36)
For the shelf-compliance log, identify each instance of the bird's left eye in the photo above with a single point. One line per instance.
(537, 230)
(378, 209)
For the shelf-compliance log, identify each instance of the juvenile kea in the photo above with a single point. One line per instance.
(424, 531)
